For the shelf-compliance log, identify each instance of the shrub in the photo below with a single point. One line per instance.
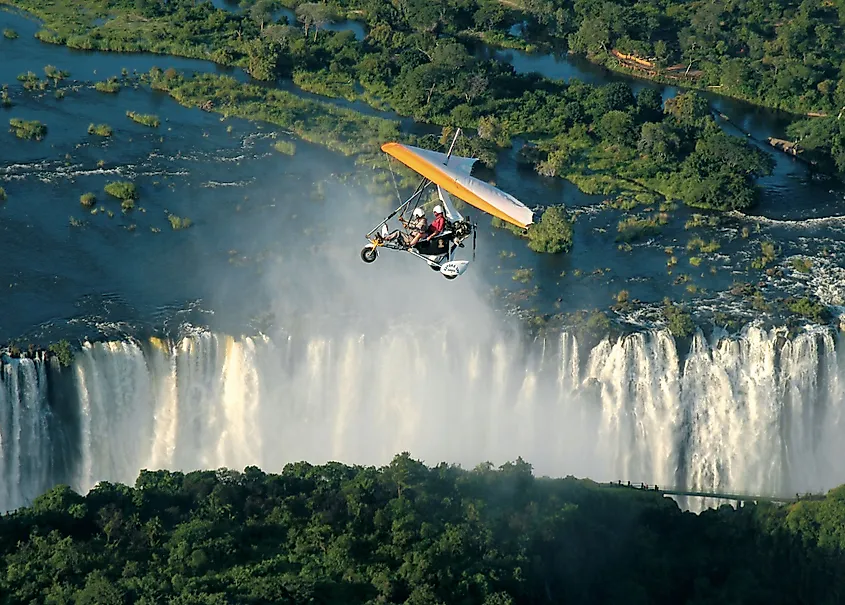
(62, 351)
(286, 147)
(28, 129)
(553, 233)
(110, 86)
(178, 223)
(143, 118)
(809, 308)
(122, 190)
(87, 199)
(103, 130)
(680, 322)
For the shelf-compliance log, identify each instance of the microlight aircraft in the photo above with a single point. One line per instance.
(450, 174)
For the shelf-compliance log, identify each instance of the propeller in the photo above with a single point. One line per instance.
(474, 231)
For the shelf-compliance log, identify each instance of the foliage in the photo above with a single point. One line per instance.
(408, 533)
(702, 246)
(109, 86)
(62, 351)
(55, 74)
(807, 307)
(680, 321)
(103, 130)
(769, 253)
(416, 60)
(9, 33)
(523, 275)
(87, 199)
(336, 128)
(123, 190)
(802, 265)
(143, 118)
(634, 228)
(553, 233)
(285, 147)
(178, 223)
(28, 129)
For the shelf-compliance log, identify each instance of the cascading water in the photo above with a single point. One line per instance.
(756, 414)
(25, 440)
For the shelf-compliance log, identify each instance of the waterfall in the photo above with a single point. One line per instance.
(25, 441)
(760, 413)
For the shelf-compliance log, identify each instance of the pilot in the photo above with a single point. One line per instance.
(416, 227)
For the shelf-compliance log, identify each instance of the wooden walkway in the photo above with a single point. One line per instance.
(736, 497)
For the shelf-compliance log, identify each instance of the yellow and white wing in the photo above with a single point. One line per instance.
(454, 176)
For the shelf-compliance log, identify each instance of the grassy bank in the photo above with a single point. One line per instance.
(338, 129)
(601, 138)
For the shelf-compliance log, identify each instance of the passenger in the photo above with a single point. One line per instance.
(437, 225)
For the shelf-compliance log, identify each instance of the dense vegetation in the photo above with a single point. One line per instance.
(103, 130)
(407, 533)
(28, 129)
(417, 61)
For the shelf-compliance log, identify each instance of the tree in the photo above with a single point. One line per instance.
(451, 56)
(615, 96)
(616, 127)
(553, 234)
(280, 35)
(262, 59)
(474, 86)
(312, 14)
(491, 129)
(649, 105)
(261, 13)
(658, 142)
(687, 108)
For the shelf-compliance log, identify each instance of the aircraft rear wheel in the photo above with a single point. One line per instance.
(368, 254)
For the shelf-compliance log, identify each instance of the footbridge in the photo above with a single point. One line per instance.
(738, 498)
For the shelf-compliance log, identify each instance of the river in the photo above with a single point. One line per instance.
(276, 238)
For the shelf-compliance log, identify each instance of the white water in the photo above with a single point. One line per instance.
(25, 443)
(753, 415)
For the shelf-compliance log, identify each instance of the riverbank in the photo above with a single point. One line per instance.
(592, 159)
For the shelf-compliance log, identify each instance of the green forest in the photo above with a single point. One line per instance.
(410, 533)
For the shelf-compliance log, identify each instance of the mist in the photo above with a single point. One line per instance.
(386, 357)
(359, 362)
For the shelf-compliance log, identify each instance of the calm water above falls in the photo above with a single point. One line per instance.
(248, 201)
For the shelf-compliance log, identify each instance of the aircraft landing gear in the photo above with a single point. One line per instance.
(368, 254)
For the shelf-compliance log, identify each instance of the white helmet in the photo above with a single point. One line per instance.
(419, 212)
(438, 210)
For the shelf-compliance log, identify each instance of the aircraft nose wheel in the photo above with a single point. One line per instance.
(450, 276)
(368, 254)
